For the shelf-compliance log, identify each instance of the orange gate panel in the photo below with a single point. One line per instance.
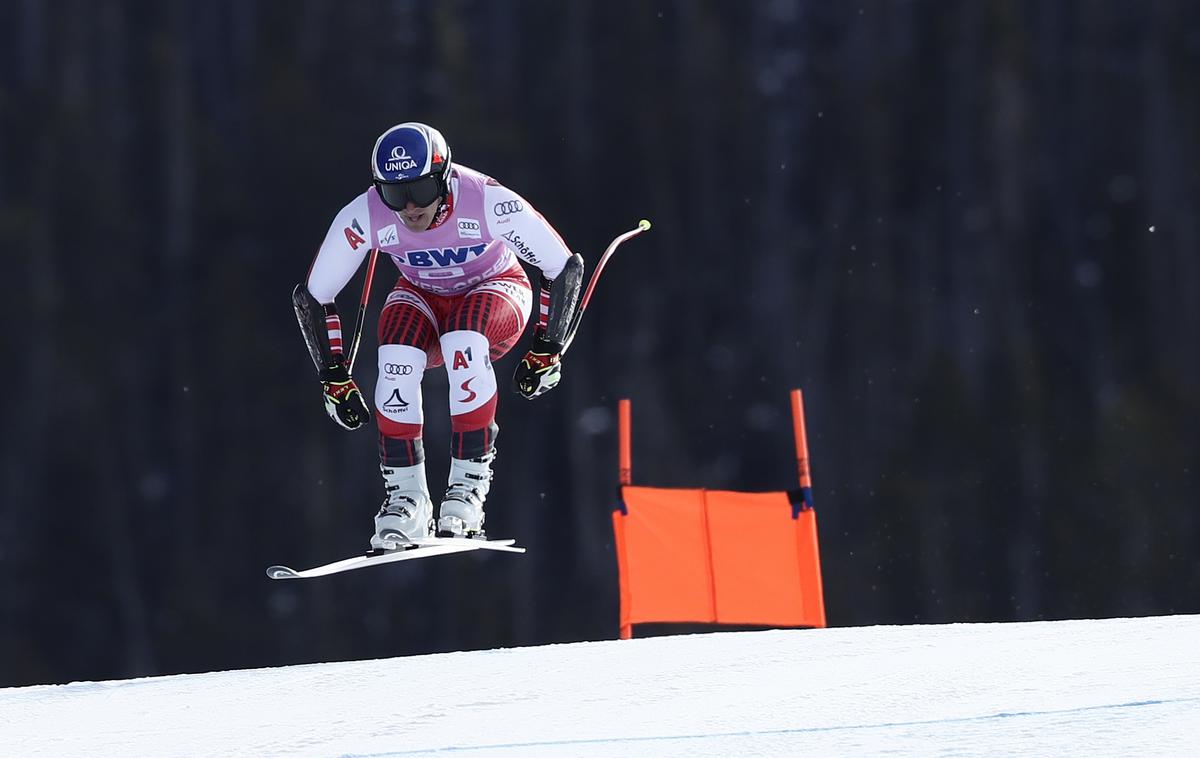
(716, 556)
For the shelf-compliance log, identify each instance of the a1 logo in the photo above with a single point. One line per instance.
(461, 360)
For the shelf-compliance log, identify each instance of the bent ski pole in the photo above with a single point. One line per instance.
(642, 226)
(362, 310)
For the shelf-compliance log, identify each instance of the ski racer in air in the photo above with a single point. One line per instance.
(461, 300)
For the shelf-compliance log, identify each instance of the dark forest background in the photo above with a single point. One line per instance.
(967, 230)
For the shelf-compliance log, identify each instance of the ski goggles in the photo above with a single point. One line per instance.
(420, 192)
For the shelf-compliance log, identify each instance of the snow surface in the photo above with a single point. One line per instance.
(1107, 687)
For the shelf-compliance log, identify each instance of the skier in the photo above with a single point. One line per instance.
(462, 300)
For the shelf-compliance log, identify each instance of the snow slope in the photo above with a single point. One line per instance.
(1109, 687)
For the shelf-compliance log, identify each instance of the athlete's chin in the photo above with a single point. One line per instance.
(418, 225)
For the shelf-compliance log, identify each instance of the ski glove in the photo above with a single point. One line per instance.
(539, 371)
(343, 401)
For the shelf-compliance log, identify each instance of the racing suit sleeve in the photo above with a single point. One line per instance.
(526, 232)
(346, 244)
(341, 253)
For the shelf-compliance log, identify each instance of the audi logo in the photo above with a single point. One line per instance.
(508, 206)
(397, 369)
(472, 225)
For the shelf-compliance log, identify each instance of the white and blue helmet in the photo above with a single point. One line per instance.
(410, 163)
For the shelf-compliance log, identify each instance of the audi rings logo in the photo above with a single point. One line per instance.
(397, 369)
(508, 206)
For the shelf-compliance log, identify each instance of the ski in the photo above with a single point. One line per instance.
(423, 548)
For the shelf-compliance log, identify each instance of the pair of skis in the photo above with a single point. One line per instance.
(426, 548)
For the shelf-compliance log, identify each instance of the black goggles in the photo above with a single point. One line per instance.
(420, 192)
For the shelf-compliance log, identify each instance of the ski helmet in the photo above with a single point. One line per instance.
(411, 162)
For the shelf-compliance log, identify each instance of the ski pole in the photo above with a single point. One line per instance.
(362, 310)
(642, 226)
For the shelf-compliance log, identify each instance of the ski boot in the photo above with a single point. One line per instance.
(407, 511)
(462, 506)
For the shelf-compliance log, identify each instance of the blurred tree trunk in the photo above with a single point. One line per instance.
(123, 465)
(30, 456)
(775, 322)
(1023, 460)
(1170, 338)
(1172, 264)
(653, 345)
(957, 287)
(587, 481)
(178, 251)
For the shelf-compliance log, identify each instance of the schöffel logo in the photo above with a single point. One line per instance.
(446, 256)
(400, 160)
(522, 249)
(509, 206)
(397, 369)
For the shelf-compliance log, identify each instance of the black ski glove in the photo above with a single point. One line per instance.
(343, 401)
(539, 371)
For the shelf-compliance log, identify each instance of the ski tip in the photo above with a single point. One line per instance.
(281, 572)
(644, 224)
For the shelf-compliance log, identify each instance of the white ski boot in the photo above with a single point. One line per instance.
(462, 506)
(407, 512)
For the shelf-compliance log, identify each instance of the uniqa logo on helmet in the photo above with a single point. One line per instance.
(402, 153)
(400, 160)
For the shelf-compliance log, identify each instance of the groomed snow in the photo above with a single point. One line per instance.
(1106, 687)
